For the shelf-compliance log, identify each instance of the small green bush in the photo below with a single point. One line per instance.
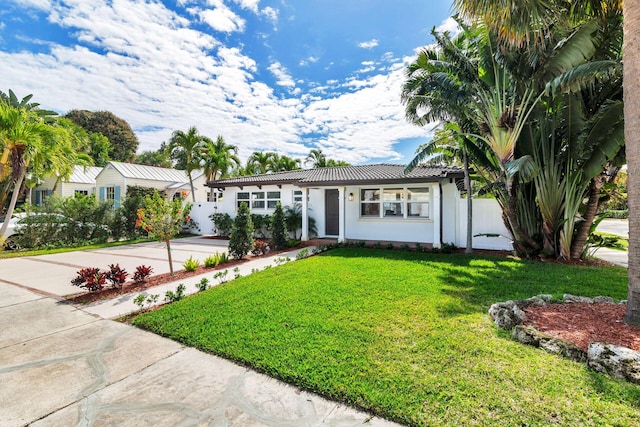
(191, 264)
(241, 239)
(222, 223)
(278, 229)
(211, 261)
(389, 246)
(171, 296)
(303, 253)
(203, 284)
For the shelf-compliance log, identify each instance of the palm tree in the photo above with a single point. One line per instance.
(188, 145)
(632, 136)
(260, 162)
(284, 163)
(316, 158)
(218, 158)
(26, 138)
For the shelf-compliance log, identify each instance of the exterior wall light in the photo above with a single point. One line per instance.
(351, 197)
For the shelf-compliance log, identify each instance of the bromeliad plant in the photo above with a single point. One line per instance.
(191, 264)
(163, 218)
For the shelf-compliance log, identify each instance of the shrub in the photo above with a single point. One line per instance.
(389, 246)
(191, 264)
(303, 253)
(91, 279)
(142, 273)
(292, 243)
(405, 247)
(241, 239)
(361, 244)
(211, 261)
(175, 296)
(293, 219)
(418, 247)
(261, 225)
(447, 248)
(117, 276)
(236, 273)
(278, 229)
(142, 300)
(221, 276)
(223, 257)
(377, 245)
(203, 284)
(260, 247)
(223, 223)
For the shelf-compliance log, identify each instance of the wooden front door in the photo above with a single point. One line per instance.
(332, 212)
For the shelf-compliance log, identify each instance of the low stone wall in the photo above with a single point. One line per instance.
(619, 362)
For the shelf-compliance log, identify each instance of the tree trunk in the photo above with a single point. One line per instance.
(631, 78)
(12, 203)
(522, 241)
(168, 242)
(577, 246)
(193, 192)
(467, 185)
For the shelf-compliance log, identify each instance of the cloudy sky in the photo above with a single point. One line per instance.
(267, 75)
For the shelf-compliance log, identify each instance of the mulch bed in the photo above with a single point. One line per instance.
(584, 323)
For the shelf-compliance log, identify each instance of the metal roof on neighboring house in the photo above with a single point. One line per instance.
(153, 173)
(84, 175)
(345, 175)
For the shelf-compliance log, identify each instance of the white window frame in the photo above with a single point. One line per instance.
(82, 192)
(388, 207)
(260, 200)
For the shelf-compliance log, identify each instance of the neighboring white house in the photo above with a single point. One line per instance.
(370, 202)
(81, 181)
(111, 182)
(115, 177)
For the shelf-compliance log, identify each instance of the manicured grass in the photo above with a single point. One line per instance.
(34, 252)
(407, 336)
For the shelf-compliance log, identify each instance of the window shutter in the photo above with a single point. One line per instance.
(38, 198)
(102, 192)
(116, 192)
(48, 193)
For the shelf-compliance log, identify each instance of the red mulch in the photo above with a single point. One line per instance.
(584, 323)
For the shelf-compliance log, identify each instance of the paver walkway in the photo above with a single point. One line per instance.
(63, 366)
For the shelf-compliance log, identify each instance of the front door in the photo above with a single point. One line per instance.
(332, 212)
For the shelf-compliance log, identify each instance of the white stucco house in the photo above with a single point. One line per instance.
(369, 202)
(111, 182)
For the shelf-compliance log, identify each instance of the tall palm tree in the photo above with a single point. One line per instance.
(260, 162)
(632, 136)
(316, 158)
(218, 158)
(188, 145)
(26, 138)
(284, 163)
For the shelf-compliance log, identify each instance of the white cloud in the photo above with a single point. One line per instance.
(220, 17)
(368, 45)
(271, 14)
(146, 64)
(309, 60)
(281, 74)
(449, 25)
(252, 5)
(37, 4)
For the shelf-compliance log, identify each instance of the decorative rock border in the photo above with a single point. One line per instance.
(619, 362)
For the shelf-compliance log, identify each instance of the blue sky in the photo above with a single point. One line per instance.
(267, 75)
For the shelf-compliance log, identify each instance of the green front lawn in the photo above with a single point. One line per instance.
(407, 336)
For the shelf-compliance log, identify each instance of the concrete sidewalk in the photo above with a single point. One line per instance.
(61, 365)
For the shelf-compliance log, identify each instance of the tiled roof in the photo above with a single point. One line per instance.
(84, 175)
(346, 175)
(153, 173)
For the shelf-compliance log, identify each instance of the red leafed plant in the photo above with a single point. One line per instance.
(117, 276)
(260, 247)
(91, 279)
(142, 273)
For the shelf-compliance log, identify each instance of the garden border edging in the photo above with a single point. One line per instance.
(619, 362)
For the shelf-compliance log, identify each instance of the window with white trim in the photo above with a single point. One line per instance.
(78, 193)
(297, 196)
(395, 202)
(258, 200)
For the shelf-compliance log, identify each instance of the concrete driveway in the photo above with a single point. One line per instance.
(619, 227)
(62, 366)
(51, 274)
